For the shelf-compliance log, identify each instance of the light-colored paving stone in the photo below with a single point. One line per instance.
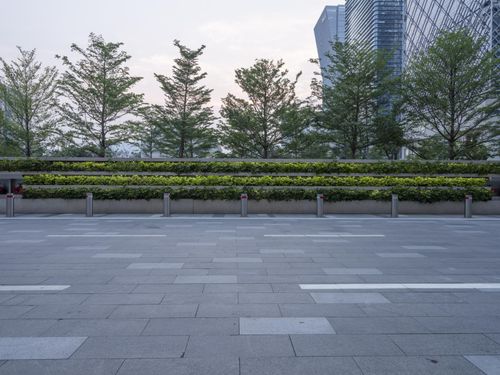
(285, 326)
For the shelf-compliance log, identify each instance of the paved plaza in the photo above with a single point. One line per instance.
(221, 295)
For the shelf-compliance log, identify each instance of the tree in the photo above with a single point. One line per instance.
(98, 99)
(28, 91)
(183, 122)
(146, 133)
(451, 91)
(360, 90)
(258, 126)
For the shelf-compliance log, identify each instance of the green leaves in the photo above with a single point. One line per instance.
(98, 96)
(269, 119)
(332, 195)
(451, 93)
(28, 91)
(182, 123)
(358, 92)
(375, 168)
(253, 181)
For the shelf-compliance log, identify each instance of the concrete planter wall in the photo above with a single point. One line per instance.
(190, 206)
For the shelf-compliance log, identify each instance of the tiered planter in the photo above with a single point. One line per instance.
(60, 186)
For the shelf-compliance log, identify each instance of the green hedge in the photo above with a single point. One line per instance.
(405, 193)
(254, 167)
(251, 181)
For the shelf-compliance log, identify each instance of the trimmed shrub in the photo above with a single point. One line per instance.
(278, 194)
(48, 179)
(413, 167)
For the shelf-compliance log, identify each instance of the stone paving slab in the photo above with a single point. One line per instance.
(239, 346)
(96, 327)
(173, 304)
(490, 365)
(299, 366)
(154, 311)
(184, 366)
(61, 367)
(39, 347)
(133, 347)
(446, 344)
(285, 326)
(428, 365)
(344, 345)
(192, 327)
(362, 298)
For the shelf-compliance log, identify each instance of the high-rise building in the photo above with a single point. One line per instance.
(426, 18)
(380, 24)
(329, 28)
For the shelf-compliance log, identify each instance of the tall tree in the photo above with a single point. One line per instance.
(28, 91)
(98, 98)
(451, 91)
(359, 92)
(146, 133)
(183, 122)
(259, 126)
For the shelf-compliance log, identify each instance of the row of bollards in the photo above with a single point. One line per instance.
(320, 205)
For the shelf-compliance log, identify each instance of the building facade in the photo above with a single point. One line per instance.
(426, 18)
(329, 28)
(380, 24)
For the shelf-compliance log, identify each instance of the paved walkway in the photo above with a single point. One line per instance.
(258, 296)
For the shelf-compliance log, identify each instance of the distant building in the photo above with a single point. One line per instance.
(426, 18)
(329, 28)
(379, 24)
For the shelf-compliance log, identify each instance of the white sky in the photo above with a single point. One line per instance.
(236, 32)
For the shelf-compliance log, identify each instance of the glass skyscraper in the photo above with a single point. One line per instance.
(380, 24)
(329, 28)
(426, 18)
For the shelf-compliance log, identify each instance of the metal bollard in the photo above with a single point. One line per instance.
(395, 205)
(166, 205)
(320, 205)
(468, 207)
(244, 205)
(89, 207)
(9, 205)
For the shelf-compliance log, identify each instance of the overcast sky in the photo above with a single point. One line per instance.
(236, 32)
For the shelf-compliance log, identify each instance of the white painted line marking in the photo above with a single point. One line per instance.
(400, 255)
(221, 231)
(424, 247)
(104, 235)
(236, 238)
(326, 235)
(117, 255)
(237, 260)
(83, 248)
(281, 251)
(32, 288)
(24, 231)
(330, 241)
(155, 266)
(196, 244)
(23, 241)
(399, 286)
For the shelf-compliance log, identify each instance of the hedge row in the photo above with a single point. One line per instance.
(253, 167)
(251, 181)
(333, 195)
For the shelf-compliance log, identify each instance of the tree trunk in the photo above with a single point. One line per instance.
(451, 150)
(28, 139)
